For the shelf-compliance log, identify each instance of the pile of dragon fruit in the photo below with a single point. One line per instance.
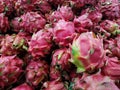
(59, 44)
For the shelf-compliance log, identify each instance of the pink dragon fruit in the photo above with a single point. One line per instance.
(95, 16)
(7, 6)
(94, 82)
(110, 26)
(64, 12)
(4, 24)
(118, 21)
(87, 52)
(80, 3)
(29, 22)
(111, 68)
(54, 85)
(55, 73)
(109, 8)
(40, 43)
(60, 62)
(73, 74)
(117, 39)
(6, 44)
(14, 44)
(82, 23)
(91, 2)
(56, 2)
(77, 3)
(113, 46)
(23, 6)
(43, 6)
(37, 72)
(10, 70)
(1, 6)
(23, 86)
(61, 58)
(63, 32)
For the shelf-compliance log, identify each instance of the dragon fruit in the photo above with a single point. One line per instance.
(4, 23)
(73, 74)
(117, 50)
(87, 52)
(23, 86)
(63, 33)
(37, 72)
(80, 3)
(56, 2)
(29, 22)
(10, 70)
(54, 85)
(109, 8)
(111, 68)
(113, 46)
(14, 44)
(110, 26)
(64, 12)
(95, 16)
(6, 44)
(40, 43)
(60, 63)
(43, 6)
(94, 82)
(61, 58)
(55, 73)
(23, 6)
(82, 23)
(7, 6)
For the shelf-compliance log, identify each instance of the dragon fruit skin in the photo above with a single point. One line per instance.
(6, 44)
(14, 44)
(95, 16)
(111, 68)
(4, 24)
(60, 64)
(94, 82)
(113, 45)
(29, 22)
(23, 6)
(54, 85)
(54, 73)
(37, 72)
(43, 6)
(23, 86)
(81, 3)
(63, 33)
(56, 2)
(117, 39)
(100, 83)
(110, 26)
(1, 6)
(11, 68)
(109, 8)
(64, 12)
(40, 43)
(7, 6)
(61, 57)
(82, 23)
(85, 52)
